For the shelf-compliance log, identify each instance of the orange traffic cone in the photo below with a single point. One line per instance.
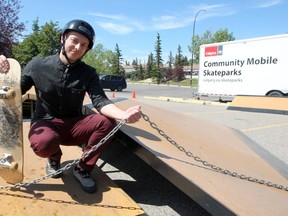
(133, 94)
(113, 95)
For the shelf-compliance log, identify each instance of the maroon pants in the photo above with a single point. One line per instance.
(46, 136)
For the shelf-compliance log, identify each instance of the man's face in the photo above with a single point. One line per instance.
(75, 45)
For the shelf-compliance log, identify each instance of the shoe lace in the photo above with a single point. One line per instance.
(84, 174)
(53, 163)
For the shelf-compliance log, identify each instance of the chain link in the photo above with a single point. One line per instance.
(209, 165)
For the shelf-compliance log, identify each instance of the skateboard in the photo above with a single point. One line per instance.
(11, 126)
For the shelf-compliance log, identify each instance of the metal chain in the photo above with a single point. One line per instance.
(211, 166)
(69, 165)
(169, 139)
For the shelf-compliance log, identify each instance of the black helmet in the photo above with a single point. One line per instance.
(83, 28)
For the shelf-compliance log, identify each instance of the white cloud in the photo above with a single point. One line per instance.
(115, 28)
(167, 22)
(137, 25)
(119, 24)
(268, 3)
(108, 16)
(186, 17)
(215, 10)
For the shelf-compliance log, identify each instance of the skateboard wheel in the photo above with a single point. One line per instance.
(13, 166)
(10, 94)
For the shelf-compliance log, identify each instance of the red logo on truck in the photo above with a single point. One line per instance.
(213, 51)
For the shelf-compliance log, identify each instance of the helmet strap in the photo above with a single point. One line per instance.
(63, 49)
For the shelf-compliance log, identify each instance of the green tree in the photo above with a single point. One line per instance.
(136, 67)
(158, 60)
(100, 58)
(10, 27)
(178, 72)
(158, 51)
(116, 66)
(221, 35)
(43, 41)
(179, 57)
(27, 49)
(170, 61)
(135, 62)
(152, 69)
(185, 61)
(49, 39)
(151, 66)
(141, 72)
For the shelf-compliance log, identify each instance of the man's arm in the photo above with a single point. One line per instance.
(132, 115)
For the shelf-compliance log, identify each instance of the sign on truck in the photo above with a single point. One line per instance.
(257, 66)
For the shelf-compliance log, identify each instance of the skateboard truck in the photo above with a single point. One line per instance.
(6, 162)
(7, 93)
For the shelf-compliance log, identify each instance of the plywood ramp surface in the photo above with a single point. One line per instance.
(224, 147)
(63, 196)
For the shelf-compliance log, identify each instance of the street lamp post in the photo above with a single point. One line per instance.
(193, 44)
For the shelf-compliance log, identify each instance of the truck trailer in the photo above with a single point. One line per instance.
(256, 66)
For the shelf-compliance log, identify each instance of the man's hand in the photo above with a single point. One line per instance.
(4, 64)
(133, 114)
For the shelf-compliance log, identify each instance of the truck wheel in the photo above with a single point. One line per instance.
(119, 88)
(275, 94)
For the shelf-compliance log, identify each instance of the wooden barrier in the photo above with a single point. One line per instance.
(278, 105)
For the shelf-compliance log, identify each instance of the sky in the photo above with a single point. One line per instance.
(134, 24)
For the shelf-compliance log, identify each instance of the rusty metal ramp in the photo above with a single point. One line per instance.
(216, 166)
(63, 196)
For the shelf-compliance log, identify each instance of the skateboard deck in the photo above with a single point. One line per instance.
(11, 126)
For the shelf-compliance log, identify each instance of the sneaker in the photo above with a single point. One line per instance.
(83, 176)
(52, 166)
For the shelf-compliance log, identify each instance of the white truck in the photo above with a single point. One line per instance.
(257, 66)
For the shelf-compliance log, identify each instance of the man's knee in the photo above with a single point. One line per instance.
(105, 122)
(44, 147)
(43, 141)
